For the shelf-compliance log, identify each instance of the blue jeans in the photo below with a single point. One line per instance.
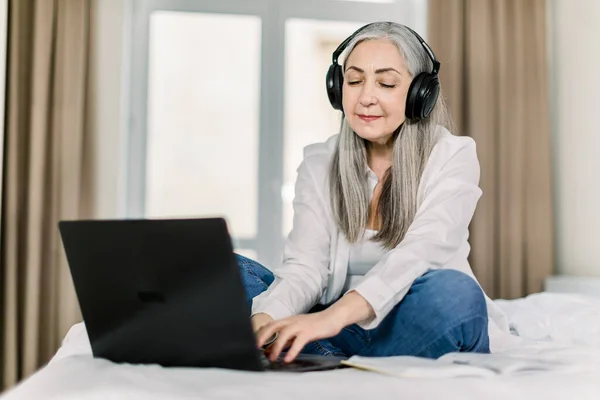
(444, 311)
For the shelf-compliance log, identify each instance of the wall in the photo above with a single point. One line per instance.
(108, 103)
(575, 58)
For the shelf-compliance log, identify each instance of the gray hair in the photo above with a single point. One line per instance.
(413, 143)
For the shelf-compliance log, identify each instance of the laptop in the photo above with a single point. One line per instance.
(167, 292)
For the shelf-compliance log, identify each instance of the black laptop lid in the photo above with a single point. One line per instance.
(161, 291)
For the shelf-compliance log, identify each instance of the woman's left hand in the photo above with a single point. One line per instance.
(297, 331)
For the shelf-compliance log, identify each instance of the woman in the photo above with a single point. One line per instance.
(376, 262)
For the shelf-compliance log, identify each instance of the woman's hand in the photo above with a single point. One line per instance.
(260, 320)
(299, 330)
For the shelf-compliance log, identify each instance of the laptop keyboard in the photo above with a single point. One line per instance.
(280, 365)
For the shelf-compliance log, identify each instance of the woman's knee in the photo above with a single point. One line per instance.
(454, 305)
(456, 292)
(445, 310)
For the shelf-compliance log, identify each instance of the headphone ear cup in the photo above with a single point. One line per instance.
(422, 96)
(430, 96)
(334, 83)
(412, 98)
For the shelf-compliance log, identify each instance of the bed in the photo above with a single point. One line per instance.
(550, 326)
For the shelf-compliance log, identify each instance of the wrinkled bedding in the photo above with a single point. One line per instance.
(550, 327)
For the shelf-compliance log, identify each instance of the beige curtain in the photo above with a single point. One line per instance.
(46, 177)
(494, 74)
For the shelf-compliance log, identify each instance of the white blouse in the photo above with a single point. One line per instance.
(316, 253)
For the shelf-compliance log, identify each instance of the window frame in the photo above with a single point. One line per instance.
(273, 14)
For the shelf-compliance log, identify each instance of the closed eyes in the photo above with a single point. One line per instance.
(384, 85)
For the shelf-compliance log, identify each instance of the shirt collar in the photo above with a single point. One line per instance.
(370, 174)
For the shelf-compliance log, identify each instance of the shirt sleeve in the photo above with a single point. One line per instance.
(439, 229)
(302, 278)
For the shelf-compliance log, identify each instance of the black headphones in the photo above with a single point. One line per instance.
(423, 91)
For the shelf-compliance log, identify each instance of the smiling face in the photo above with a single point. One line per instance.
(376, 84)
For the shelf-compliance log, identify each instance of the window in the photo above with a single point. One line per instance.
(225, 95)
(202, 121)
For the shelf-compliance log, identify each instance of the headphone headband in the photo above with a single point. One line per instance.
(436, 63)
(340, 49)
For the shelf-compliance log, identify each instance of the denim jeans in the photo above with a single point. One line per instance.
(444, 311)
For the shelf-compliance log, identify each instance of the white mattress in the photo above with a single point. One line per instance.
(554, 327)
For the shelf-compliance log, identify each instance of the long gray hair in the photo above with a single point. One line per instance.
(413, 142)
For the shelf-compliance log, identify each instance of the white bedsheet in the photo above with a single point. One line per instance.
(556, 327)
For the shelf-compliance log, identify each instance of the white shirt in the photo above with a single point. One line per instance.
(316, 253)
